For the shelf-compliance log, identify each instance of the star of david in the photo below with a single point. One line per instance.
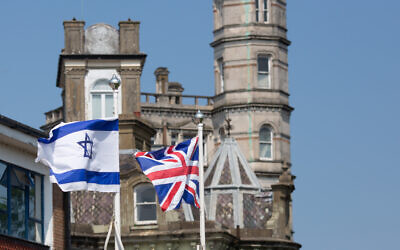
(87, 145)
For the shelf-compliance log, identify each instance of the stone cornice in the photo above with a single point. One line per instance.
(250, 24)
(130, 70)
(253, 90)
(237, 108)
(75, 71)
(83, 57)
(249, 37)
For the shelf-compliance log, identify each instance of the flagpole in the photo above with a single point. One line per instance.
(115, 83)
(200, 117)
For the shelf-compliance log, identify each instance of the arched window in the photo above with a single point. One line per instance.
(263, 71)
(265, 138)
(145, 206)
(102, 100)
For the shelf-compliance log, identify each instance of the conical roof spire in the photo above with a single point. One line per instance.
(233, 194)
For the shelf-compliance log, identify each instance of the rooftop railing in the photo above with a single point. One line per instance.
(177, 99)
(54, 115)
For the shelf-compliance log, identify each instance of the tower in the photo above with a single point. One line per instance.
(89, 59)
(251, 81)
(249, 180)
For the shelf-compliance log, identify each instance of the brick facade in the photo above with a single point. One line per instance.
(11, 243)
(58, 218)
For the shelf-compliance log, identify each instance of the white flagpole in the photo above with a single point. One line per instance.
(200, 116)
(114, 83)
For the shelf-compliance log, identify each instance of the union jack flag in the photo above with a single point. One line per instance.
(174, 173)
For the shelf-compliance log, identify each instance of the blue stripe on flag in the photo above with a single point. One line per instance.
(94, 125)
(183, 146)
(162, 190)
(77, 175)
(146, 163)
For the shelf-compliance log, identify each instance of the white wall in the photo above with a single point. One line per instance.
(20, 149)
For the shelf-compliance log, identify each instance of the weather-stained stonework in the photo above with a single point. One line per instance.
(101, 39)
(257, 209)
(247, 191)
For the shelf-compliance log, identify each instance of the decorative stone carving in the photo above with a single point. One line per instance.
(75, 71)
(101, 39)
(130, 70)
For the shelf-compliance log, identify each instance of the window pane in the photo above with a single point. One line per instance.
(3, 187)
(34, 231)
(17, 213)
(257, 7)
(3, 222)
(265, 10)
(109, 105)
(173, 139)
(263, 80)
(265, 134)
(188, 137)
(32, 202)
(145, 193)
(19, 178)
(152, 140)
(262, 62)
(265, 150)
(146, 212)
(35, 208)
(221, 73)
(96, 106)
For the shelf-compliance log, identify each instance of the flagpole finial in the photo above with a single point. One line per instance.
(198, 117)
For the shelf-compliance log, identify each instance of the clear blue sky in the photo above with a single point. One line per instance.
(344, 86)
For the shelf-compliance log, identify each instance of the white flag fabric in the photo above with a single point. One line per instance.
(83, 155)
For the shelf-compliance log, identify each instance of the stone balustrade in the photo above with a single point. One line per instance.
(54, 115)
(197, 100)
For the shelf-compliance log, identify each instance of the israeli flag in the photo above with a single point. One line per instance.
(82, 155)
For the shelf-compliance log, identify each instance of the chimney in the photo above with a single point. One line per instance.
(74, 35)
(161, 74)
(128, 37)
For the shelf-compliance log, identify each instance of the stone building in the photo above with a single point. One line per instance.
(252, 177)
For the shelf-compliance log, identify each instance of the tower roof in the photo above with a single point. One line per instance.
(229, 169)
(233, 194)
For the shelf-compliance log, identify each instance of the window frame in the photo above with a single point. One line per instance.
(174, 138)
(103, 94)
(262, 11)
(27, 218)
(220, 64)
(135, 204)
(267, 73)
(270, 142)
